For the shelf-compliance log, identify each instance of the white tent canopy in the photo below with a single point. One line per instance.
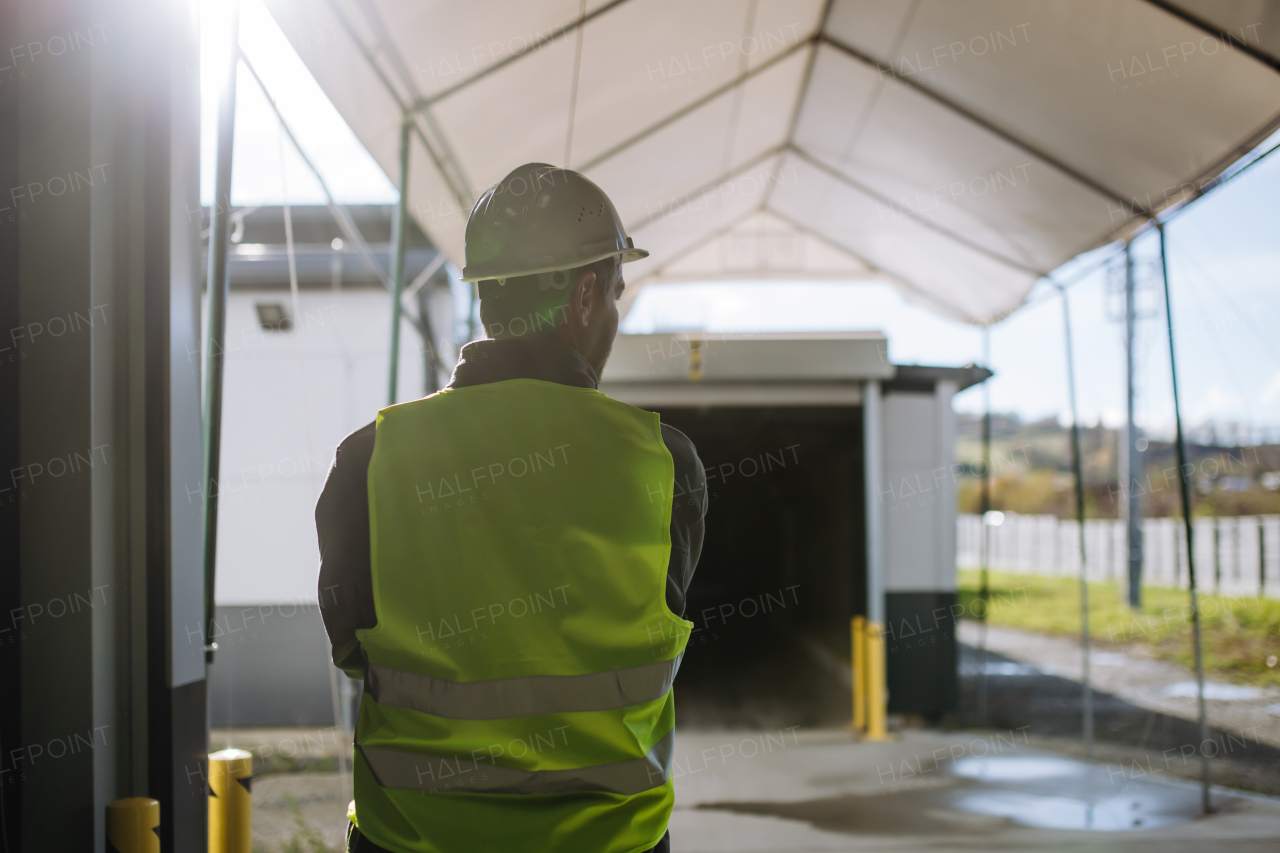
(961, 149)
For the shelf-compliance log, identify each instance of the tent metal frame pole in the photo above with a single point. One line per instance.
(1168, 215)
(984, 588)
(994, 129)
(1262, 556)
(692, 195)
(385, 47)
(1175, 210)
(430, 377)
(719, 91)
(858, 186)
(873, 457)
(1231, 40)
(873, 464)
(1185, 489)
(805, 83)
(339, 213)
(459, 192)
(1077, 464)
(1132, 455)
(397, 260)
(880, 269)
(430, 381)
(472, 304)
(218, 287)
(582, 21)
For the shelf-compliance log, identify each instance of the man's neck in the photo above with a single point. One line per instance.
(499, 359)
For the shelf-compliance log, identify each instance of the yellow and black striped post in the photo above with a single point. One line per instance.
(230, 806)
(133, 825)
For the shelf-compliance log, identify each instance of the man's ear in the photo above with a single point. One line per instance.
(585, 301)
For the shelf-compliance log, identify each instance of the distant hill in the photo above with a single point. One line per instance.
(1031, 465)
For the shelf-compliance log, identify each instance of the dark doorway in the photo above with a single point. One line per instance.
(782, 567)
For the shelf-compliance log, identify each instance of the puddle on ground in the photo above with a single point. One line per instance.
(1017, 768)
(1050, 812)
(1109, 659)
(989, 794)
(1220, 692)
(1000, 667)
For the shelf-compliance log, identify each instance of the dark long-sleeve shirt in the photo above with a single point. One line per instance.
(342, 513)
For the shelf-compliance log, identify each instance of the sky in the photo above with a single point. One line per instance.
(1224, 271)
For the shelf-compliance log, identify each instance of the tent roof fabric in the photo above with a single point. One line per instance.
(961, 149)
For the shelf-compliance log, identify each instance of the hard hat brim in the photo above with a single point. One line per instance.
(625, 256)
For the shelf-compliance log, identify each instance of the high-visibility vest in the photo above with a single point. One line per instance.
(518, 694)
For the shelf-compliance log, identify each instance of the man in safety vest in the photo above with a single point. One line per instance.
(505, 564)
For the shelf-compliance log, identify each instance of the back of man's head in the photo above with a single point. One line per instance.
(536, 307)
(546, 245)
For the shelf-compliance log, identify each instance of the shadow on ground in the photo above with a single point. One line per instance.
(1142, 741)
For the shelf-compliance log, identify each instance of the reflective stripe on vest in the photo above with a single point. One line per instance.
(416, 771)
(502, 698)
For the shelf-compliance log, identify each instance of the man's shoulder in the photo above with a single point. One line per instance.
(690, 478)
(344, 487)
(357, 448)
(683, 453)
(674, 438)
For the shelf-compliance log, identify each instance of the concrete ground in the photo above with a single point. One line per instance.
(824, 792)
(796, 790)
(748, 779)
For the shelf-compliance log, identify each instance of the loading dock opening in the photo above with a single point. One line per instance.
(783, 564)
(831, 494)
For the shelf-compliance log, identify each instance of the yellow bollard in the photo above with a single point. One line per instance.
(230, 806)
(876, 699)
(859, 663)
(133, 825)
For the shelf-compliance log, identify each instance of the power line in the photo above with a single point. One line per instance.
(1217, 345)
(1217, 183)
(1243, 318)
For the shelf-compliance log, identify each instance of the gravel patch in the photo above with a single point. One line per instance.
(300, 813)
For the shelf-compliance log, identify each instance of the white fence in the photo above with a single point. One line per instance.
(1233, 555)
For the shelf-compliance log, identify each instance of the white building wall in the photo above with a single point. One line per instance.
(288, 400)
(918, 492)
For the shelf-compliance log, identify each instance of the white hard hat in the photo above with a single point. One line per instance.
(540, 219)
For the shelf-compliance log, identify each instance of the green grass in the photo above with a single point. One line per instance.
(278, 763)
(1239, 633)
(306, 838)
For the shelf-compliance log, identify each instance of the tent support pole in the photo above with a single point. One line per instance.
(873, 464)
(1185, 487)
(472, 305)
(397, 260)
(1132, 455)
(984, 587)
(1078, 467)
(340, 215)
(218, 284)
